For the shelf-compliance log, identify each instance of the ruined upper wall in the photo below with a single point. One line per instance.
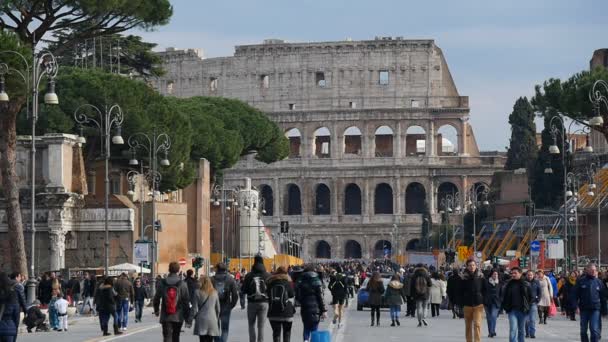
(277, 76)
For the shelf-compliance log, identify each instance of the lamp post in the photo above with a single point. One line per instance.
(105, 120)
(220, 198)
(43, 65)
(472, 200)
(450, 203)
(154, 144)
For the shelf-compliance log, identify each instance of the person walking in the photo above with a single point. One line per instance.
(546, 296)
(516, 303)
(567, 296)
(88, 293)
(492, 301)
(105, 299)
(53, 317)
(205, 311)
(591, 295)
(9, 309)
(172, 304)
(228, 295)
(534, 298)
(473, 291)
(395, 297)
(438, 293)
(375, 288)
(140, 294)
(45, 290)
(74, 291)
(410, 308)
(61, 305)
(337, 287)
(125, 294)
(280, 306)
(452, 292)
(420, 290)
(254, 287)
(310, 296)
(191, 282)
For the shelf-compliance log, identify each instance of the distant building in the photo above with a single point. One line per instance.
(599, 58)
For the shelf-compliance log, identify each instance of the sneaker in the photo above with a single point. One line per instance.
(424, 322)
(334, 321)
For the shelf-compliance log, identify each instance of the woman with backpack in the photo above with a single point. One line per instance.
(375, 288)
(280, 306)
(205, 311)
(395, 297)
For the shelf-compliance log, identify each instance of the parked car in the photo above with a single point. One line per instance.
(363, 295)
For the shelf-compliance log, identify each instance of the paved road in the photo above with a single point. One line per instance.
(355, 328)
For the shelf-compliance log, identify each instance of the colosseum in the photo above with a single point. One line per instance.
(378, 133)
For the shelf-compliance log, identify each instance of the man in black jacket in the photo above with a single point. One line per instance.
(452, 292)
(337, 286)
(228, 294)
(254, 286)
(516, 303)
(88, 293)
(309, 293)
(472, 293)
(534, 298)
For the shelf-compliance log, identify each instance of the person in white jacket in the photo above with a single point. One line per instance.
(62, 312)
(438, 292)
(546, 296)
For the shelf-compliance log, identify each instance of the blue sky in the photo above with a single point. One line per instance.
(496, 50)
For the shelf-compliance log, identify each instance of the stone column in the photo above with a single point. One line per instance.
(367, 201)
(57, 249)
(276, 199)
(462, 138)
(432, 196)
(335, 211)
(430, 140)
(336, 250)
(398, 142)
(398, 209)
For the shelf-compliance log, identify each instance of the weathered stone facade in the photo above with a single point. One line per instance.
(364, 120)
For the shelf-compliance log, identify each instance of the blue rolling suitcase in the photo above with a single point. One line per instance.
(320, 336)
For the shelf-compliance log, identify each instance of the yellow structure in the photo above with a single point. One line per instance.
(270, 263)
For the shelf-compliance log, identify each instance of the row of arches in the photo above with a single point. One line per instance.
(352, 144)
(353, 250)
(416, 201)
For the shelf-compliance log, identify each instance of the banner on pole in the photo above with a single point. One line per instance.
(555, 248)
(141, 253)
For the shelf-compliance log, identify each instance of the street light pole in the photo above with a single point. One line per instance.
(89, 114)
(473, 199)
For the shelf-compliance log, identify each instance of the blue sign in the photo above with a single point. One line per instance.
(535, 246)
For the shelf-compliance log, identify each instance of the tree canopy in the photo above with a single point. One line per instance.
(522, 147)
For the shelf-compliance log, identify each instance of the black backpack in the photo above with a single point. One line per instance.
(278, 298)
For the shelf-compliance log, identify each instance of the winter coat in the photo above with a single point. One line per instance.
(375, 293)
(205, 314)
(438, 291)
(337, 285)
(546, 292)
(10, 317)
(192, 285)
(567, 293)
(395, 293)
(524, 291)
(231, 293)
(88, 288)
(105, 299)
(140, 293)
(553, 284)
(424, 274)
(534, 290)
(493, 294)
(472, 288)
(183, 305)
(453, 288)
(33, 314)
(591, 294)
(406, 285)
(309, 295)
(276, 312)
(45, 291)
(124, 289)
(249, 284)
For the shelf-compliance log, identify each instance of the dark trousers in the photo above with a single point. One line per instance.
(139, 309)
(38, 324)
(591, 320)
(171, 331)
(277, 326)
(206, 338)
(434, 310)
(309, 327)
(225, 324)
(122, 312)
(104, 318)
(376, 311)
(543, 313)
(411, 307)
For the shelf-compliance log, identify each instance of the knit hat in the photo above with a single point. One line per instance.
(258, 259)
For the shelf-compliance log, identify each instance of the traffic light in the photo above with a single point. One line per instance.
(523, 262)
(197, 262)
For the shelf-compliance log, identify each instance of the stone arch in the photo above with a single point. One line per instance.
(352, 140)
(295, 142)
(322, 142)
(352, 199)
(322, 200)
(352, 250)
(268, 196)
(445, 189)
(480, 187)
(322, 250)
(382, 248)
(415, 141)
(383, 199)
(447, 140)
(413, 244)
(415, 198)
(293, 200)
(384, 141)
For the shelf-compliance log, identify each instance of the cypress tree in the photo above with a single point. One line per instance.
(522, 151)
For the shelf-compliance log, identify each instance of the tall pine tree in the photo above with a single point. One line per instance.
(522, 151)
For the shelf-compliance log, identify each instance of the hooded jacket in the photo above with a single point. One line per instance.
(309, 295)
(105, 299)
(183, 305)
(395, 293)
(257, 276)
(472, 289)
(420, 272)
(276, 312)
(231, 294)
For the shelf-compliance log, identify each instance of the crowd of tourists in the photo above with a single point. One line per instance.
(205, 303)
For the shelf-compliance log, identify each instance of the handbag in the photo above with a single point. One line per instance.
(552, 309)
(444, 304)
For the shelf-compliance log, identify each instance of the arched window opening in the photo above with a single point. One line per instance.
(383, 199)
(415, 197)
(322, 139)
(294, 203)
(415, 141)
(447, 141)
(382, 249)
(384, 141)
(352, 140)
(268, 198)
(352, 200)
(445, 189)
(352, 250)
(295, 141)
(323, 250)
(322, 200)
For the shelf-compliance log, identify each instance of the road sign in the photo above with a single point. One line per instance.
(141, 252)
(182, 262)
(535, 246)
(478, 255)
